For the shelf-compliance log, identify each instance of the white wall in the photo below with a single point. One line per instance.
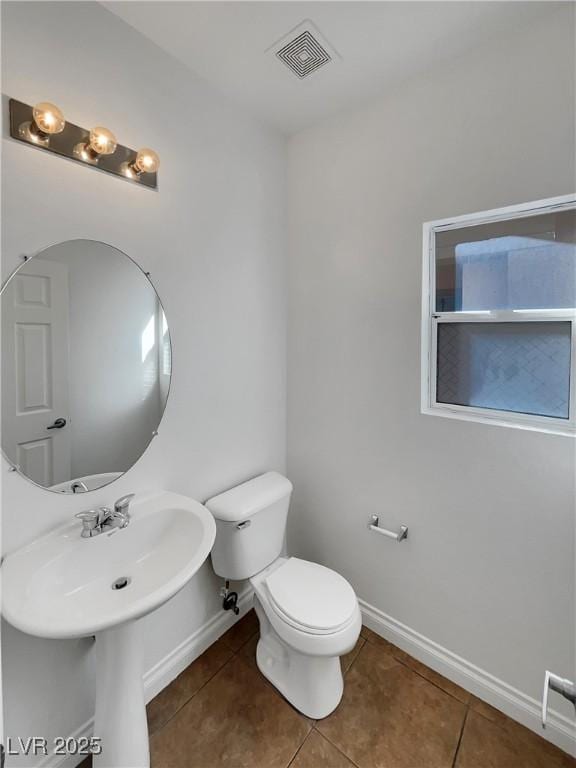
(488, 570)
(212, 238)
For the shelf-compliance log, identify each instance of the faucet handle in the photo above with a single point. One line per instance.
(98, 515)
(88, 515)
(91, 520)
(122, 504)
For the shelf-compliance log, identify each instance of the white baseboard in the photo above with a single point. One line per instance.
(166, 670)
(517, 705)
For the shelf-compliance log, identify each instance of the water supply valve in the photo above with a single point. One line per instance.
(229, 599)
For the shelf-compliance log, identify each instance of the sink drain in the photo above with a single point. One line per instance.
(122, 582)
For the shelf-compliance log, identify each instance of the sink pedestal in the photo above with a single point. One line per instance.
(120, 720)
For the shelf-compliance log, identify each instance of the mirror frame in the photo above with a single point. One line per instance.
(12, 467)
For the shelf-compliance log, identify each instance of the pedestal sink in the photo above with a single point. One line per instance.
(64, 586)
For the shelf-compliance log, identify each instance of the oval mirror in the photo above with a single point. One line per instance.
(86, 366)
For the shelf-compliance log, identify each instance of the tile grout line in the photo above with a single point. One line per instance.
(245, 643)
(318, 731)
(204, 684)
(355, 657)
(334, 745)
(295, 755)
(471, 697)
(415, 671)
(406, 666)
(314, 722)
(243, 660)
(460, 737)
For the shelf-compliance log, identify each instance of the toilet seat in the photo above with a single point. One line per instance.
(311, 598)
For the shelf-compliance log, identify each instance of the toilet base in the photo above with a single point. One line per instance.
(312, 684)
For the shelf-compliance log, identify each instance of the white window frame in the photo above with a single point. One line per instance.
(431, 318)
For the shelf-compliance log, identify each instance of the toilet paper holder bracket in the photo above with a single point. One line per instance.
(400, 535)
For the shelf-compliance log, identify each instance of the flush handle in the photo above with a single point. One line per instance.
(244, 524)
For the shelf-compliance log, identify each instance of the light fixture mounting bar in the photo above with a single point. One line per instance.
(64, 143)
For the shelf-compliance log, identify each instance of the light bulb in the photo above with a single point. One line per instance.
(48, 118)
(147, 161)
(102, 141)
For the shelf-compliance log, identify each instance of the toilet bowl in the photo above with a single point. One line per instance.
(308, 614)
(308, 617)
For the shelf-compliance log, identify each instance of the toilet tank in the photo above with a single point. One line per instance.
(250, 525)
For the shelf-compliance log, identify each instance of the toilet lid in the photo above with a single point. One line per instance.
(310, 596)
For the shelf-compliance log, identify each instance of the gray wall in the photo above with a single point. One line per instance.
(212, 238)
(488, 571)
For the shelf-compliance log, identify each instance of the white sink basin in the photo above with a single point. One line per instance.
(61, 586)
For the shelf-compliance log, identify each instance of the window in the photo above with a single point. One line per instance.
(499, 316)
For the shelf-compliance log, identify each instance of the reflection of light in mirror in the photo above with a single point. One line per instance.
(166, 351)
(148, 338)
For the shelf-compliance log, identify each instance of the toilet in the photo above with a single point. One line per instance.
(308, 614)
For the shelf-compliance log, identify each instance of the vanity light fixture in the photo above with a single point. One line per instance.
(43, 126)
(102, 142)
(47, 120)
(146, 161)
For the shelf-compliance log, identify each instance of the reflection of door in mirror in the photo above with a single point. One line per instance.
(36, 372)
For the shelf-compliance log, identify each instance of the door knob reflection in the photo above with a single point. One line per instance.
(58, 424)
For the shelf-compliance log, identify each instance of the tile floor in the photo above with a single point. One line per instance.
(395, 713)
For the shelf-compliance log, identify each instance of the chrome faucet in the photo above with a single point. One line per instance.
(104, 519)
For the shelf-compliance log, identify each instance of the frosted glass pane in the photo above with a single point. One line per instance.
(525, 263)
(521, 367)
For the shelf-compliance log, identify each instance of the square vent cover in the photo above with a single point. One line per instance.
(304, 50)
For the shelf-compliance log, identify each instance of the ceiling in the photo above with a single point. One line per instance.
(379, 43)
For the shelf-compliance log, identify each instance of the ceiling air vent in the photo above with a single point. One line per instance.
(304, 49)
(304, 54)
